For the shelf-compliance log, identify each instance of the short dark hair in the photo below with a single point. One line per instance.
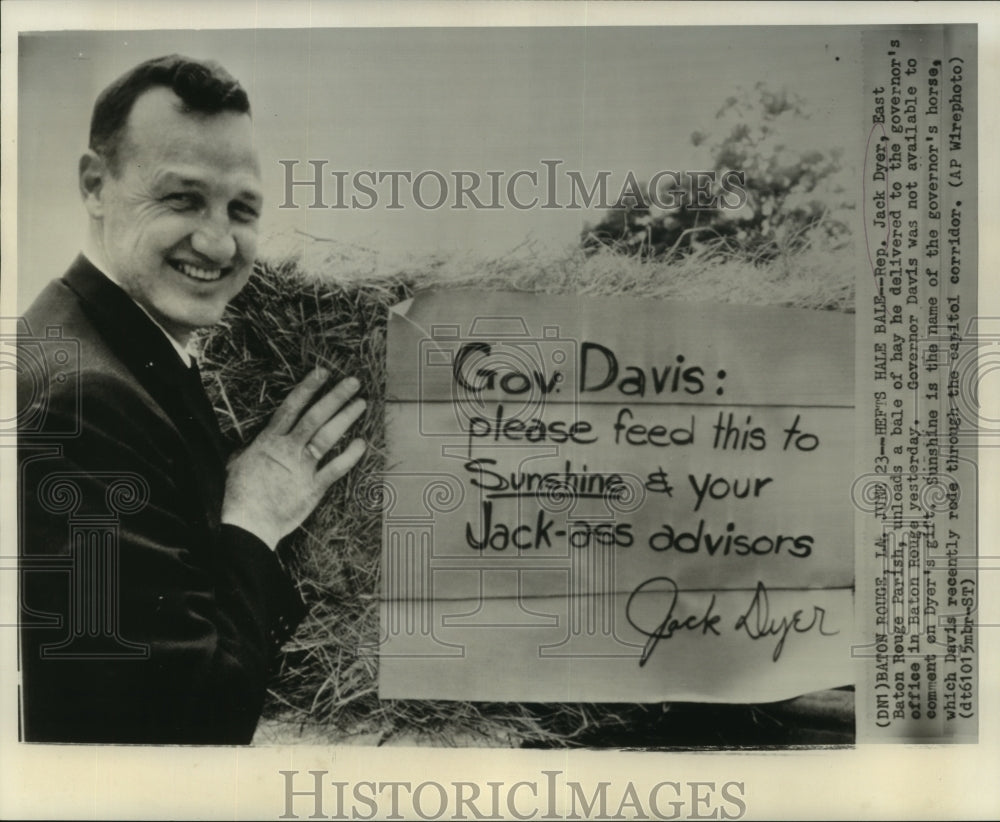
(203, 86)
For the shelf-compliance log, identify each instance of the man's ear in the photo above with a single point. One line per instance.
(93, 173)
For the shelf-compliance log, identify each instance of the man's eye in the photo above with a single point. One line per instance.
(182, 200)
(243, 212)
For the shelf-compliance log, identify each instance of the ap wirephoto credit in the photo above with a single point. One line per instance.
(525, 391)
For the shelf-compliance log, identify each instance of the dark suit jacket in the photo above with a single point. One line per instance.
(143, 619)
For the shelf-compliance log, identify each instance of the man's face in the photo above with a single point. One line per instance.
(178, 224)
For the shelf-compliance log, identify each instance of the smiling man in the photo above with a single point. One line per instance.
(152, 600)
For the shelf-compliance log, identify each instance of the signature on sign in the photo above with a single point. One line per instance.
(757, 621)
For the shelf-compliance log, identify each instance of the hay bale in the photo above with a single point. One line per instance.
(313, 302)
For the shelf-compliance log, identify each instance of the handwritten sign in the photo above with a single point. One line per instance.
(615, 500)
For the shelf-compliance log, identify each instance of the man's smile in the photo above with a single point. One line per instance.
(198, 272)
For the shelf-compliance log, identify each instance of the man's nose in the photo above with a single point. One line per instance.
(214, 239)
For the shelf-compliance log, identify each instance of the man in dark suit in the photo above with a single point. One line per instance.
(152, 600)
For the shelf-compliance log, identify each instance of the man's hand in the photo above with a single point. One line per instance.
(276, 481)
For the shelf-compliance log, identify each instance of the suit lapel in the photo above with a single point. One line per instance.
(144, 349)
(197, 402)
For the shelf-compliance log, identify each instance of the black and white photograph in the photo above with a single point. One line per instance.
(493, 414)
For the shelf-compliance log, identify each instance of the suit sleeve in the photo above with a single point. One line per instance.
(168, 621)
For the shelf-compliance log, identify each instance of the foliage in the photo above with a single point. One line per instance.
(796, 194)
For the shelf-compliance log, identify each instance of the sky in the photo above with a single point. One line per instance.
(430, 99)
